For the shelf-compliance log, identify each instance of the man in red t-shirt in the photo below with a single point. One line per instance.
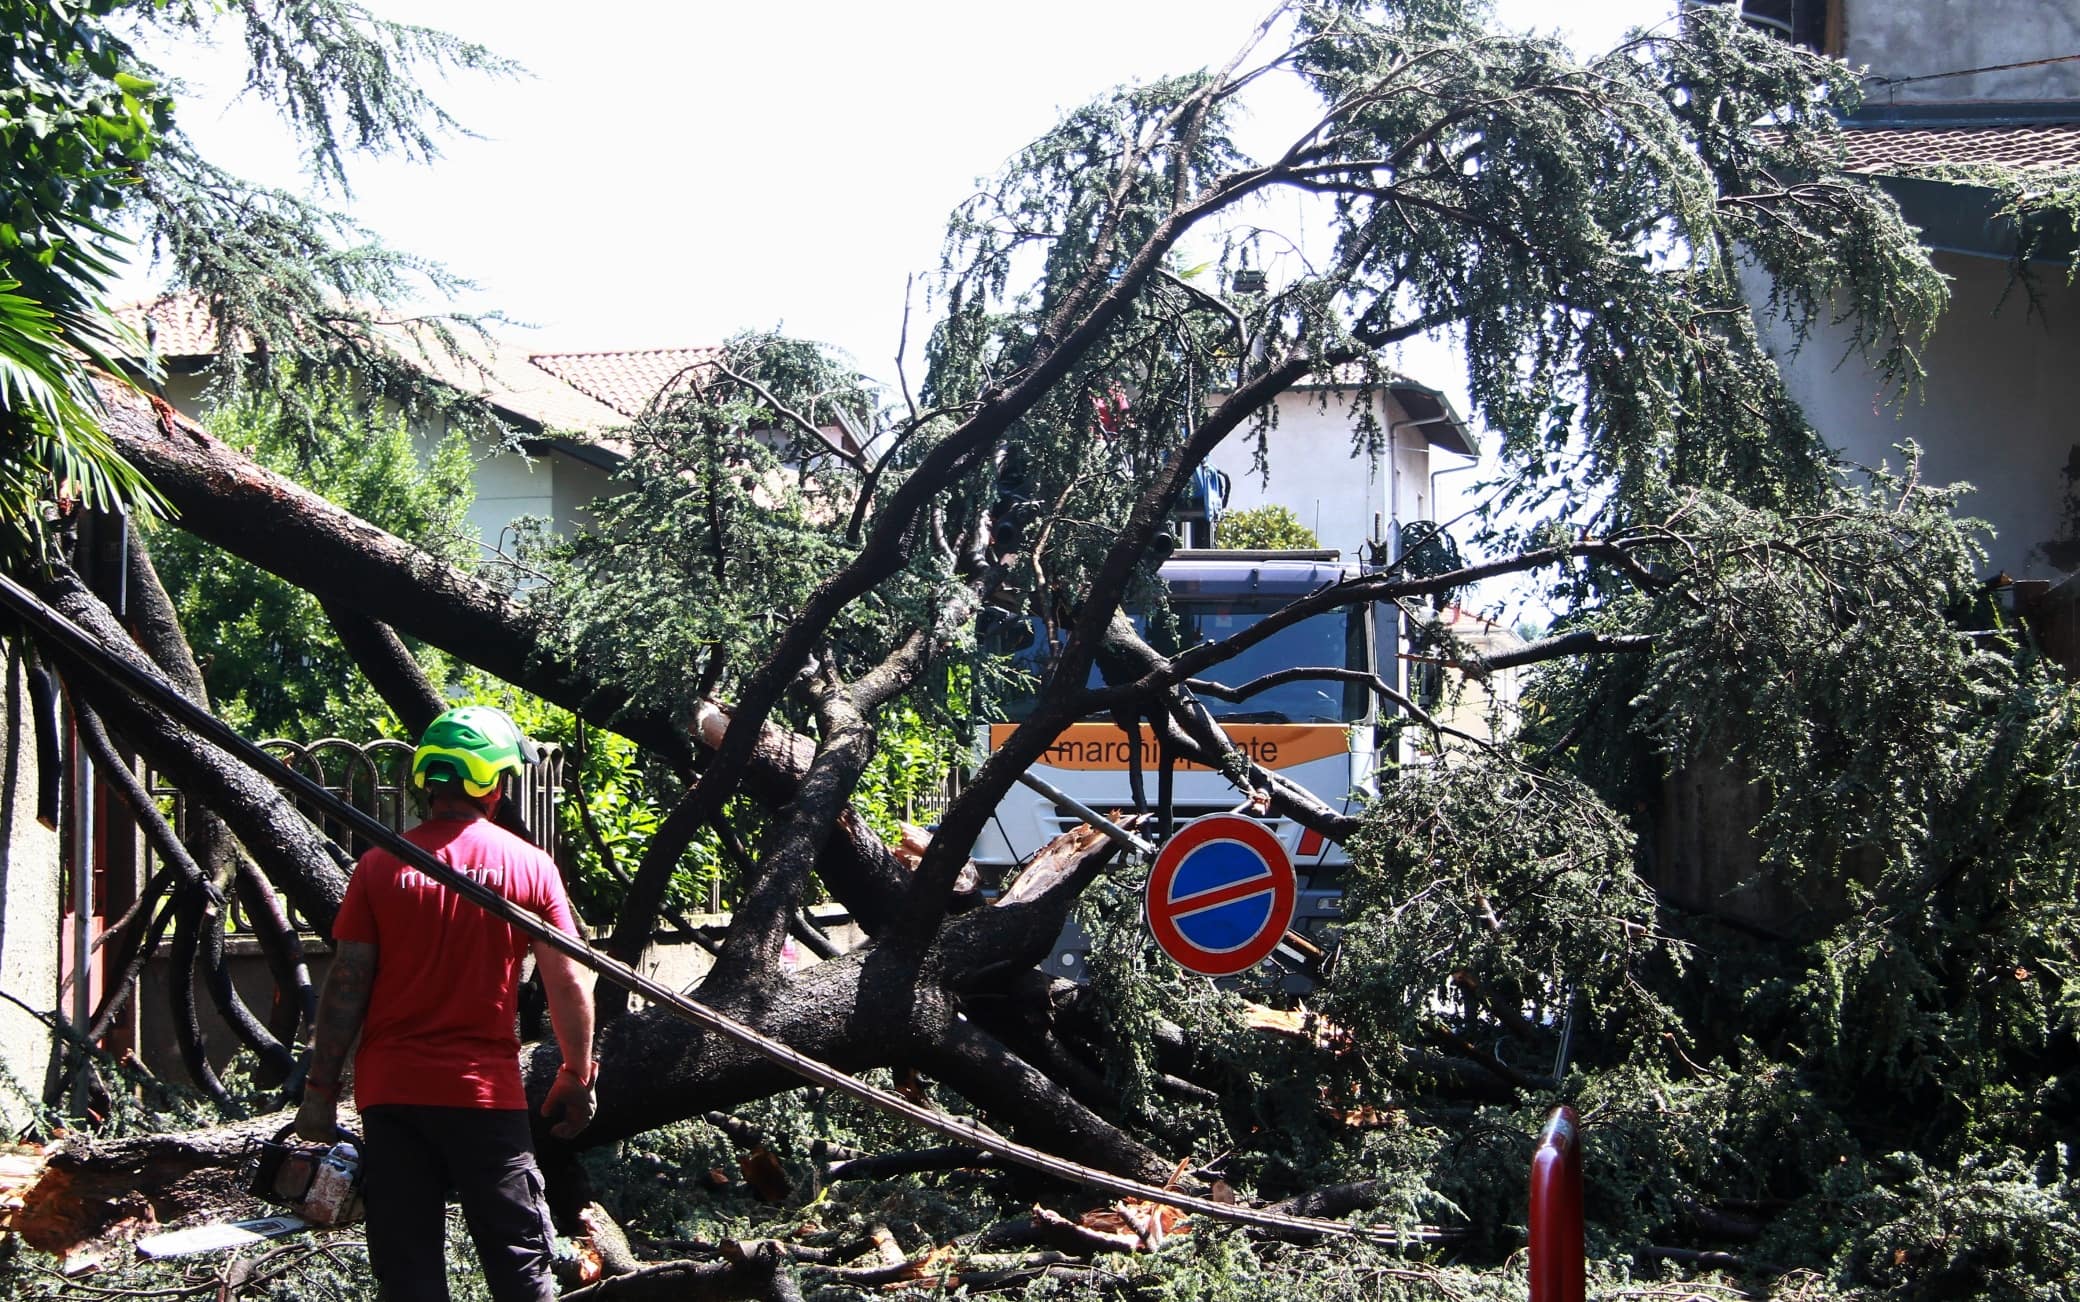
(429, 981)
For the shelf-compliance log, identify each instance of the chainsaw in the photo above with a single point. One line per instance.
(319, 1182)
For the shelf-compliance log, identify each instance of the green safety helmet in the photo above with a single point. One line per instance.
(472, 745)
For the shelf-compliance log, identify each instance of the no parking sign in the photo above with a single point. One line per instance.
(1220, 896)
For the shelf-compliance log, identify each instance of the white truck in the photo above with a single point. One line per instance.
(1323, 735)
(1320, 734)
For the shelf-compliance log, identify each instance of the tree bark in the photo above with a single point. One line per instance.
(389, 667)
(296, 858)
(89, 1186)
(885, 1005)
(154, 621)
(157, 624)
(195, 886)
(877, 1006)
(224, 498)
(295, 997)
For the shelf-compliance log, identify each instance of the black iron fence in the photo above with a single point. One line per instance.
(375, 777)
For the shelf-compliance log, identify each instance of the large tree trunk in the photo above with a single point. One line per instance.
(91, 1187)
(222, 497)
(296, 857)
(895, 1005)
(877, 1006)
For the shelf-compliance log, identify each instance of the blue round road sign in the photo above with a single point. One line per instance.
(1220, 896)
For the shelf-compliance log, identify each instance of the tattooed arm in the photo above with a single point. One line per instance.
(341, 1006)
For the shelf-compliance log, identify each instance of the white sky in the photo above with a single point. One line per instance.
(671, 173)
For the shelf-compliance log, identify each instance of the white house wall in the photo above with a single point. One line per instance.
(510, 486)
(576, 486)
(1998, 409)
(1335, 489)
(1900, 40)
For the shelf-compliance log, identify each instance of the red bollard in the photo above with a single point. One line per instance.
(1559, 1269)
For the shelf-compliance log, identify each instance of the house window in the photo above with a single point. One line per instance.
(1814, 24)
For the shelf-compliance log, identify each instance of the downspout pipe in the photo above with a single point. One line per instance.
(1472, 463)
(1394, 480)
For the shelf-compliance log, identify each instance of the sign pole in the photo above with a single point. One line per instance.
(1559, 1269)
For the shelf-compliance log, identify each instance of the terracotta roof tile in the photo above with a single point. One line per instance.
(499, 373)
(501, 376)
(626, 381)
(178, 325)
(1890, 150)
(586, 394)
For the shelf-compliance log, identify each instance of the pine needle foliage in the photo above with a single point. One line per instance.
(294, 288)
(1874, 1068)
(93, 155)
(733, 511)
(78, 123)
(1878, 1077)
(1483, 887)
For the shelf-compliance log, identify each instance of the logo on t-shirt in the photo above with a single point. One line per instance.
(492, 875)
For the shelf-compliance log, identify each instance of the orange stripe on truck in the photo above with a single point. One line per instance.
(1105, 746)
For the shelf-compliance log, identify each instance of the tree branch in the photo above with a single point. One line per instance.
(296, 857)
(388, 665)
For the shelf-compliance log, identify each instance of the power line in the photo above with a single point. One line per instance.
(1874, 79)
(147, 683)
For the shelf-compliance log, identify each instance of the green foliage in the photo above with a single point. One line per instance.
(608, 810)
(1484, 886)
(912, 755)
(296, 291)
(341, 78)
(1582, 229)
(1877, 1058)
(1271, 527)
(730, 518)
(88, 143)
(1997, 1226)
(77, 123)
(1884, 1076)
(272, 662)
(1583, 223)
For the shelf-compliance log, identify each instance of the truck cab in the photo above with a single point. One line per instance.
(1365, 497)
(1319, 734)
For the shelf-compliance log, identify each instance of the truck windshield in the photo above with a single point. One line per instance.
(1335, 640)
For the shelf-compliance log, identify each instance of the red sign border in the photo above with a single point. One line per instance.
(1285, 889)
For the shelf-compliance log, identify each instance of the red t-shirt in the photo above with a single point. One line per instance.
(440, 1025)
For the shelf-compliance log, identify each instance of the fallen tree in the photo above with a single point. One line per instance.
(751, 620)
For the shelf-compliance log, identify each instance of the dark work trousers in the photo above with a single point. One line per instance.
(412, 1158)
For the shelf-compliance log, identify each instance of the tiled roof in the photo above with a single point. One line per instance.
(500, 375)
(630, 381)
(178, 325)
(626, 381)
(587, 394)
(1892, 150)
(486, 368)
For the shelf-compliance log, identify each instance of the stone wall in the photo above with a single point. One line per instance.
(1914, 38)
(31, 885)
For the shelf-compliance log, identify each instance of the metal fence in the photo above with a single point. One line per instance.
(375, 777)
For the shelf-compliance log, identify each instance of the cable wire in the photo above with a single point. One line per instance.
(148, 684)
